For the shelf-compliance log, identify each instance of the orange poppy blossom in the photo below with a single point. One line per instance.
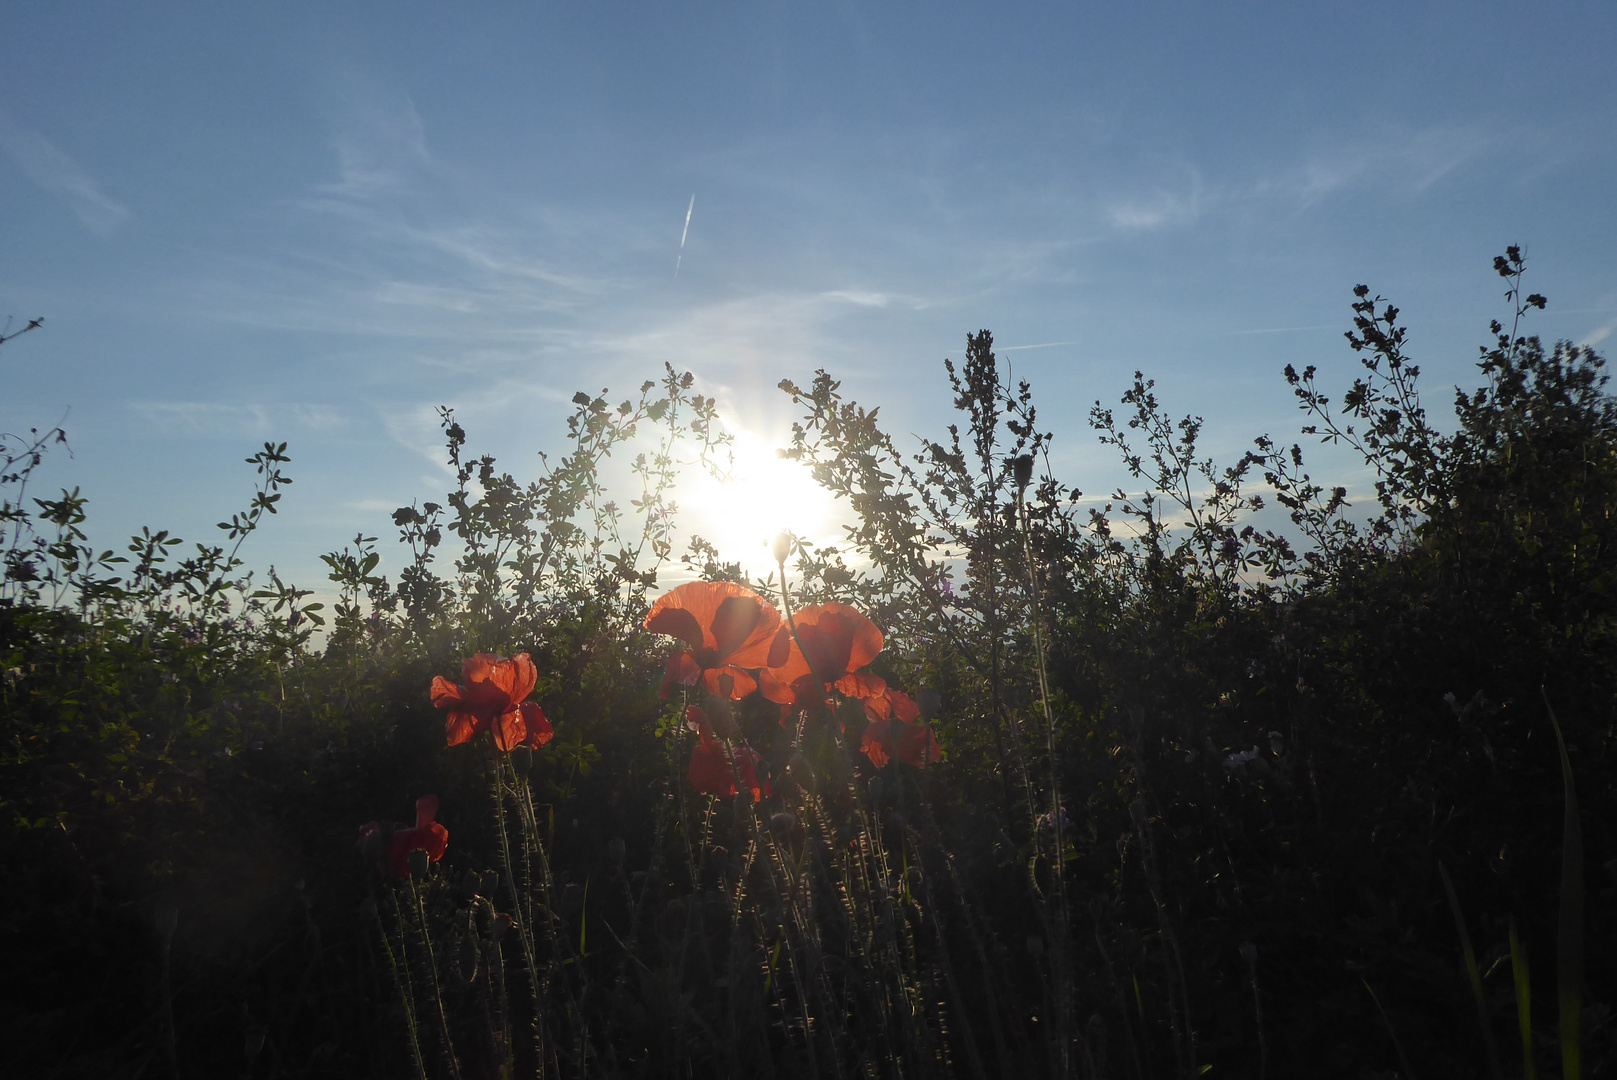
(894, 735)
(491, 700)
(427, 836)
(728, 628)
(838, 641)
(715, 768)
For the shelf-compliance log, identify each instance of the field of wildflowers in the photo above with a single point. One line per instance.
(1223, 776)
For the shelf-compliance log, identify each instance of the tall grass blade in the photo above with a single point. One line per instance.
(1403, 1060)
(1475, 974)
(1569, 932)
(1524, 1000)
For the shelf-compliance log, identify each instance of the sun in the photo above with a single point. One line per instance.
(765, 494)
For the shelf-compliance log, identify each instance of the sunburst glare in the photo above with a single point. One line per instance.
(763, 495)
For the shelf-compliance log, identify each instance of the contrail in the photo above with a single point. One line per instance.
(684, 233)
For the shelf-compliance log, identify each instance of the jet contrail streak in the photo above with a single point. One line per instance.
(684, 233)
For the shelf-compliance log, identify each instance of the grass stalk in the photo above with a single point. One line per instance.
(1473, 973)
(1524, 1000)
(1398, 1047)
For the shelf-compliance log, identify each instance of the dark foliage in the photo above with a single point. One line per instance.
(1208, 741)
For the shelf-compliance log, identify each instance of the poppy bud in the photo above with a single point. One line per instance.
(873, 789)
(471, 886)
(522, 760)
(782, 823)
(782, 547)
(1022, 469)
(419, 862)
(502, 925)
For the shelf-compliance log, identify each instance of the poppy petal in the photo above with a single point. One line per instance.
(877, 744)
(916, 745)
(477, 667)
(675, 622)
(539, 729)
(721, 620)
(734, 622)
(904, 707)
(508, 730)
(445, 694)
(861, 685)
(710, 770)
(426, 810)
(730, 682)
(515, 677)
(461, 726)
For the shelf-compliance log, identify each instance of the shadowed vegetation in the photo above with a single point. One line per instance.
(1230, 772)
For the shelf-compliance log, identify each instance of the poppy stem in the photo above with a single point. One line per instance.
(524, 932)
(401, 981)
(437, 991)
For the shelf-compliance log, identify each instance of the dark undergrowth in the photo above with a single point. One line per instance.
(1210, 749)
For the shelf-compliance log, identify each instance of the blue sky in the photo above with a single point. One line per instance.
(315, 222)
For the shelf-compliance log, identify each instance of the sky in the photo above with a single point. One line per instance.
(316, 222)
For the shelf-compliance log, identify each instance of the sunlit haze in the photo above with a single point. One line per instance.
(763, 495)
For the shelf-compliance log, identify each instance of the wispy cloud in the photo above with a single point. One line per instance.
(1597, 335)
(212, 418)
(1411, 159)
(1156, 211)
(47, 166)
(377, 136)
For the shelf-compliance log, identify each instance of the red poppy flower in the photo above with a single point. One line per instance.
(715, 768)
(427, 836)
(491, 700)
(838, 640)
(728, 627)
(894, 704)
(897, 740)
